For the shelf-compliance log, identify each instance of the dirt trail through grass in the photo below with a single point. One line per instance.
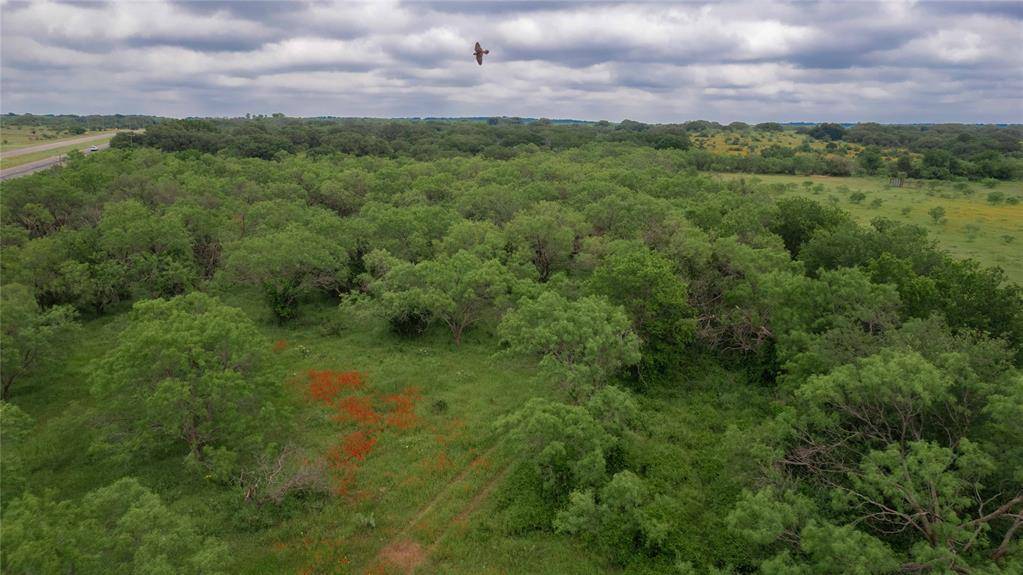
(462, 519)
(403, 554)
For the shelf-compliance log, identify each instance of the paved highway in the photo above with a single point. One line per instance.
(54, 145)
(37, 165)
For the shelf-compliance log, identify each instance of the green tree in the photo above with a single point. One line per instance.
(187, 373)
(408, 232)
(789, 521)
(483, 239)
(565, 445)
(798, 219)
(870, 160)
(582, 343)
(459, 290)
(123, 528)
(655, 297)
(827, 131)
(15, 428)
(153, 252)
(616, 517)
(569, 446)
(29, 336)
(287, 265)
(896, 448)
(546, 234)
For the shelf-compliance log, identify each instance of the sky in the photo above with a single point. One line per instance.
(894, 61)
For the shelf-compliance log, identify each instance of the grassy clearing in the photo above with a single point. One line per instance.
(754, 142)
(15, 137)
(461, 392)
(27, 158)
(973, 227)
(444, 493)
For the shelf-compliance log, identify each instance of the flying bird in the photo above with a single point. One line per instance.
(479, 52)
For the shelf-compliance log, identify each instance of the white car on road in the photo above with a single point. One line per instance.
(94, 149)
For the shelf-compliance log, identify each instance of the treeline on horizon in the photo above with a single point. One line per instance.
(79, 124)
(924, 151)
(933, 152)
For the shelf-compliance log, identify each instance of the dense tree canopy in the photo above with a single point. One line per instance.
(615, 360)
(123, 528)
(582, 342)
(188, 375)
(30, 336)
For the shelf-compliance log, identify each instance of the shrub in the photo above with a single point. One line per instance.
(971, 231)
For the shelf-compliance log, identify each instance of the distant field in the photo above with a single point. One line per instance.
(14, 137)
(753, 142)
(973, 228)
(26, 158)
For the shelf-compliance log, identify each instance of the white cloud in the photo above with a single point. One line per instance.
(752, 61)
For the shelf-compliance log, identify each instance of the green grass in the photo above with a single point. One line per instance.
(404, 471)
(461, 509)
(973, 228)
(754, 142)
(15, 137)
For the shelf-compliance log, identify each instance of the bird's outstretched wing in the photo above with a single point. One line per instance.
(478, 48)
(479, 57)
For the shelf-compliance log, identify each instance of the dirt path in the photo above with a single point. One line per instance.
(462, 519)
(406, 555)
(54, 145)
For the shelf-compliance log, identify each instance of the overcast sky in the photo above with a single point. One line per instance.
(656, 62)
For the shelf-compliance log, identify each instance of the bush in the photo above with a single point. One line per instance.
(409, 322)
(971, 231)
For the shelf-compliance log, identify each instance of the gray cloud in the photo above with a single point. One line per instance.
(896, 61)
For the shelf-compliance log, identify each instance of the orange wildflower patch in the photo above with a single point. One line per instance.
(442, 462)
(353, 447)
(369, 413)
(403, 408)
(358, 444)
(356, 408)
(326, 385)
(280, 345)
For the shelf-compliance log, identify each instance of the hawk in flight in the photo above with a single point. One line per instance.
(479, 52)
